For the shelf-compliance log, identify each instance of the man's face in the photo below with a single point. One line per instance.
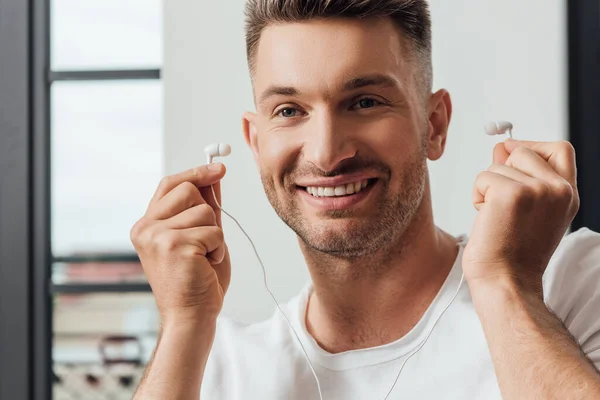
(340, 133)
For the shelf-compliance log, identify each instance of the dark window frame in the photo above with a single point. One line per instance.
(584, 105)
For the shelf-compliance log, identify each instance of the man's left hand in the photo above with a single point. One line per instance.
(526, 200)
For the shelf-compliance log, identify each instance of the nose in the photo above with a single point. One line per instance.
(327, 144)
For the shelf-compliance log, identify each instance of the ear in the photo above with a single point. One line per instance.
(440, 112)
(249, 129)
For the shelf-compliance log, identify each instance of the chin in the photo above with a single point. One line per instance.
(348, 238)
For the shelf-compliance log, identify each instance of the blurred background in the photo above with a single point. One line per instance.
(100, 99)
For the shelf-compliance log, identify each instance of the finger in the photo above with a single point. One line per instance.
(500, 154)
(199, 215)
(530, 162)
(208, 240)
(183, 196)
(207, 193)
(204, 175)
(490, 185)
(513, 173)
(223, 269)
(560, 156)
(215, 243)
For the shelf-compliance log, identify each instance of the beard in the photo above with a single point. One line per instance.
(388, 220)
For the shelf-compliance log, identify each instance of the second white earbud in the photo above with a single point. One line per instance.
(216, 150)
(499, 128)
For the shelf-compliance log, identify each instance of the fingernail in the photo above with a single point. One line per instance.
(215, 167)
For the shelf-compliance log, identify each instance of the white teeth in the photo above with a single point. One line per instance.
(331, 191)
(339, 190)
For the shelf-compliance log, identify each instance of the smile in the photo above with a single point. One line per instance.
(338, 191)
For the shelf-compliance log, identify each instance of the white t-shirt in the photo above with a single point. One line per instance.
(264, 361)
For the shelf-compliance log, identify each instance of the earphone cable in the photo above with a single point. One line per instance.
(271, 293)
(426, 337)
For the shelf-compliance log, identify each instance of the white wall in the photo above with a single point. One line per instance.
(499, 59)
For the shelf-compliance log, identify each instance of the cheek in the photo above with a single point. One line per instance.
(392, 139)
(278, 153)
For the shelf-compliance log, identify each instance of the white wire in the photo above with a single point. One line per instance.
(427, 337)
(271, 293)
(296, 334)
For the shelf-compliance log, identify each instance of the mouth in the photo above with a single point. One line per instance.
(348, 189)
(346, 196)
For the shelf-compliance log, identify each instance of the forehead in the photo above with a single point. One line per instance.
(321, 54)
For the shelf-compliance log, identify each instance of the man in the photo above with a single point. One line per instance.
(345, 122)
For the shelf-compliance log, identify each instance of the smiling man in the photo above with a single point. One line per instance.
(344, 125)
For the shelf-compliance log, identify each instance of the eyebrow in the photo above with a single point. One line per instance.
(352, 84)
(370, 80)
(279, 91)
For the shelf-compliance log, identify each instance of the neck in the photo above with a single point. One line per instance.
(375, 300)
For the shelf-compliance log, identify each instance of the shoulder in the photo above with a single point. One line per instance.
(236, 348)
(572, 288)
(576, 262)
(233, 333)
(236, 343)
(244, 353)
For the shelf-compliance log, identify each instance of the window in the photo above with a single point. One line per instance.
(105, 35)
(105, 162)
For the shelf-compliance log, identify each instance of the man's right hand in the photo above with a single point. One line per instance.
(180, 243)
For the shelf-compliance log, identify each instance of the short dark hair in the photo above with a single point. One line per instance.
(411, 16)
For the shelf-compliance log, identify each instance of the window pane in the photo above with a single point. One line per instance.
(106, 162)
(101, 343)
(109, 34)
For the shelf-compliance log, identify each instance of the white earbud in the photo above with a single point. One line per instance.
(499, 128)
(216, 150)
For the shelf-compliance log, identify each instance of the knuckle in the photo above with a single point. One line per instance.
(193, 251)
(150, 236)
(188, 188)
(206, 212)
(136, 231)
(168, 241)
(212, 237)
(191, 192)
(565, 194)
(165, 182)
(482, 175)
(142, 233)
(492, 168)
(564, 190)
(218, 233)
(540, 190)
(566, 147)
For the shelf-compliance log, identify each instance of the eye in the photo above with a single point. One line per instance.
(366, 102)
(287, 112)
